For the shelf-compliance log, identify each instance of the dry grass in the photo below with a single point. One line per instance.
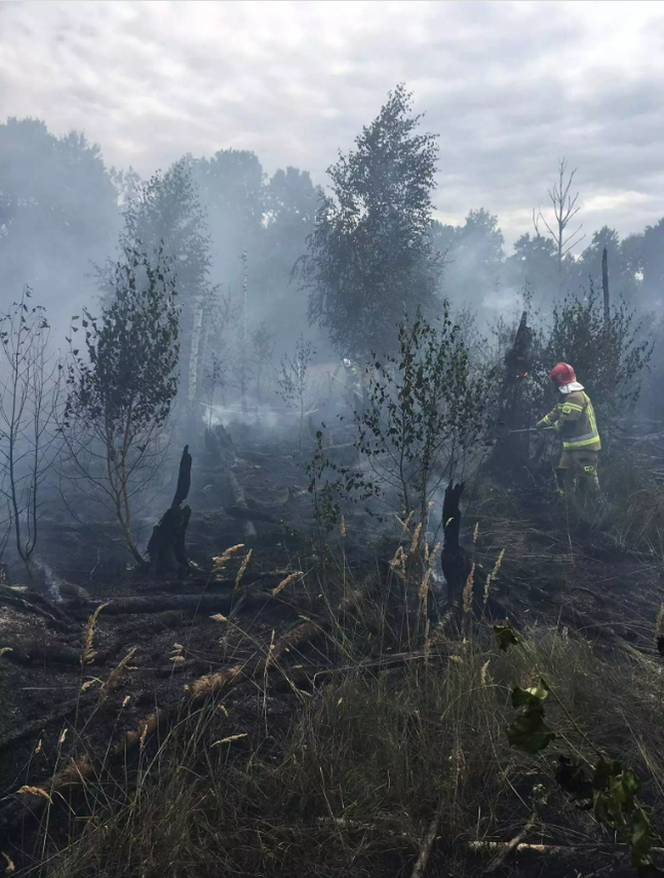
(344, 778)
(633, 512)
(350, 787)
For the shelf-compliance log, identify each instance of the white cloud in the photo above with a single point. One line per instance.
(510, 87)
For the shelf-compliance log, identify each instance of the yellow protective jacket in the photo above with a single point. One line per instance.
(574, 418)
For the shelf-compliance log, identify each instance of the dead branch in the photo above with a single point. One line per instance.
(427, 846)
(555, 848)
(511, 845)
(32, 602)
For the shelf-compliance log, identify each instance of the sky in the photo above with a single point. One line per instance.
(509, 87)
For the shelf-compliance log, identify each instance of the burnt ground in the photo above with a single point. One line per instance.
(58, 704)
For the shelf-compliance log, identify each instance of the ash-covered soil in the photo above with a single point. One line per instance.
(65, 699)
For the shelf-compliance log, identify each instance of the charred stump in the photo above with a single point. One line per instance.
(167, 549)
(460, 571)
(454, 559)
(511, 451)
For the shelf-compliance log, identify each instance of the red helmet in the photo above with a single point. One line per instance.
(561, 374)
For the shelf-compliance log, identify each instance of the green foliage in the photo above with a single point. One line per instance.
(505, 636)
(293, 378)
(164, 220)
(609, 359)
(534, 266)
(647, 251)
(424, 411)
(371, 251)
(128, 379)
(612, 796)
(623, 280)
(529, 732)
(331, 484)
(612, 793)
(121, 388)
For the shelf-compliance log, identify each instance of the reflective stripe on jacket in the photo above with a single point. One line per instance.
(574, 417)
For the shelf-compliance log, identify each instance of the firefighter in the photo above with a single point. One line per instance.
(574, 417)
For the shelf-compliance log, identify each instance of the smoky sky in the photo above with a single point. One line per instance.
(509, 87)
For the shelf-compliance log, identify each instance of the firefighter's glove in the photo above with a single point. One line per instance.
(542, 423)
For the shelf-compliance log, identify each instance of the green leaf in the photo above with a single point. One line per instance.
(642, 838)
(540, 690)
(530, 698)
(615, 791)
(529, 732)
(604, 771)
(505, 635)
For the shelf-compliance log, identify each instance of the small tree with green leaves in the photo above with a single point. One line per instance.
(424, 411)
(332, 485)
(609, 357)
(122, 385)
(29, 399)
(293, 380)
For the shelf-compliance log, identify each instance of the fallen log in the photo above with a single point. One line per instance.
(213, 585)
(35, 652)
(58, 714)
(187, 603)
(34, 603)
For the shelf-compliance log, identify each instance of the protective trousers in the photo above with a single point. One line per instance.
(577, 468)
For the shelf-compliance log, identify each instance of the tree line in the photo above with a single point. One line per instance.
(226, 223)
(202, 271)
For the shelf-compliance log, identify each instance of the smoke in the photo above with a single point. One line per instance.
(262, 414)
(50, 580)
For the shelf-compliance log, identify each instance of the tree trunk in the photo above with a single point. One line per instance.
(605, 287)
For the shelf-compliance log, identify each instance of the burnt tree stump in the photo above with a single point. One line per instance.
(510, 453)
(167, 549)
(454, 559)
